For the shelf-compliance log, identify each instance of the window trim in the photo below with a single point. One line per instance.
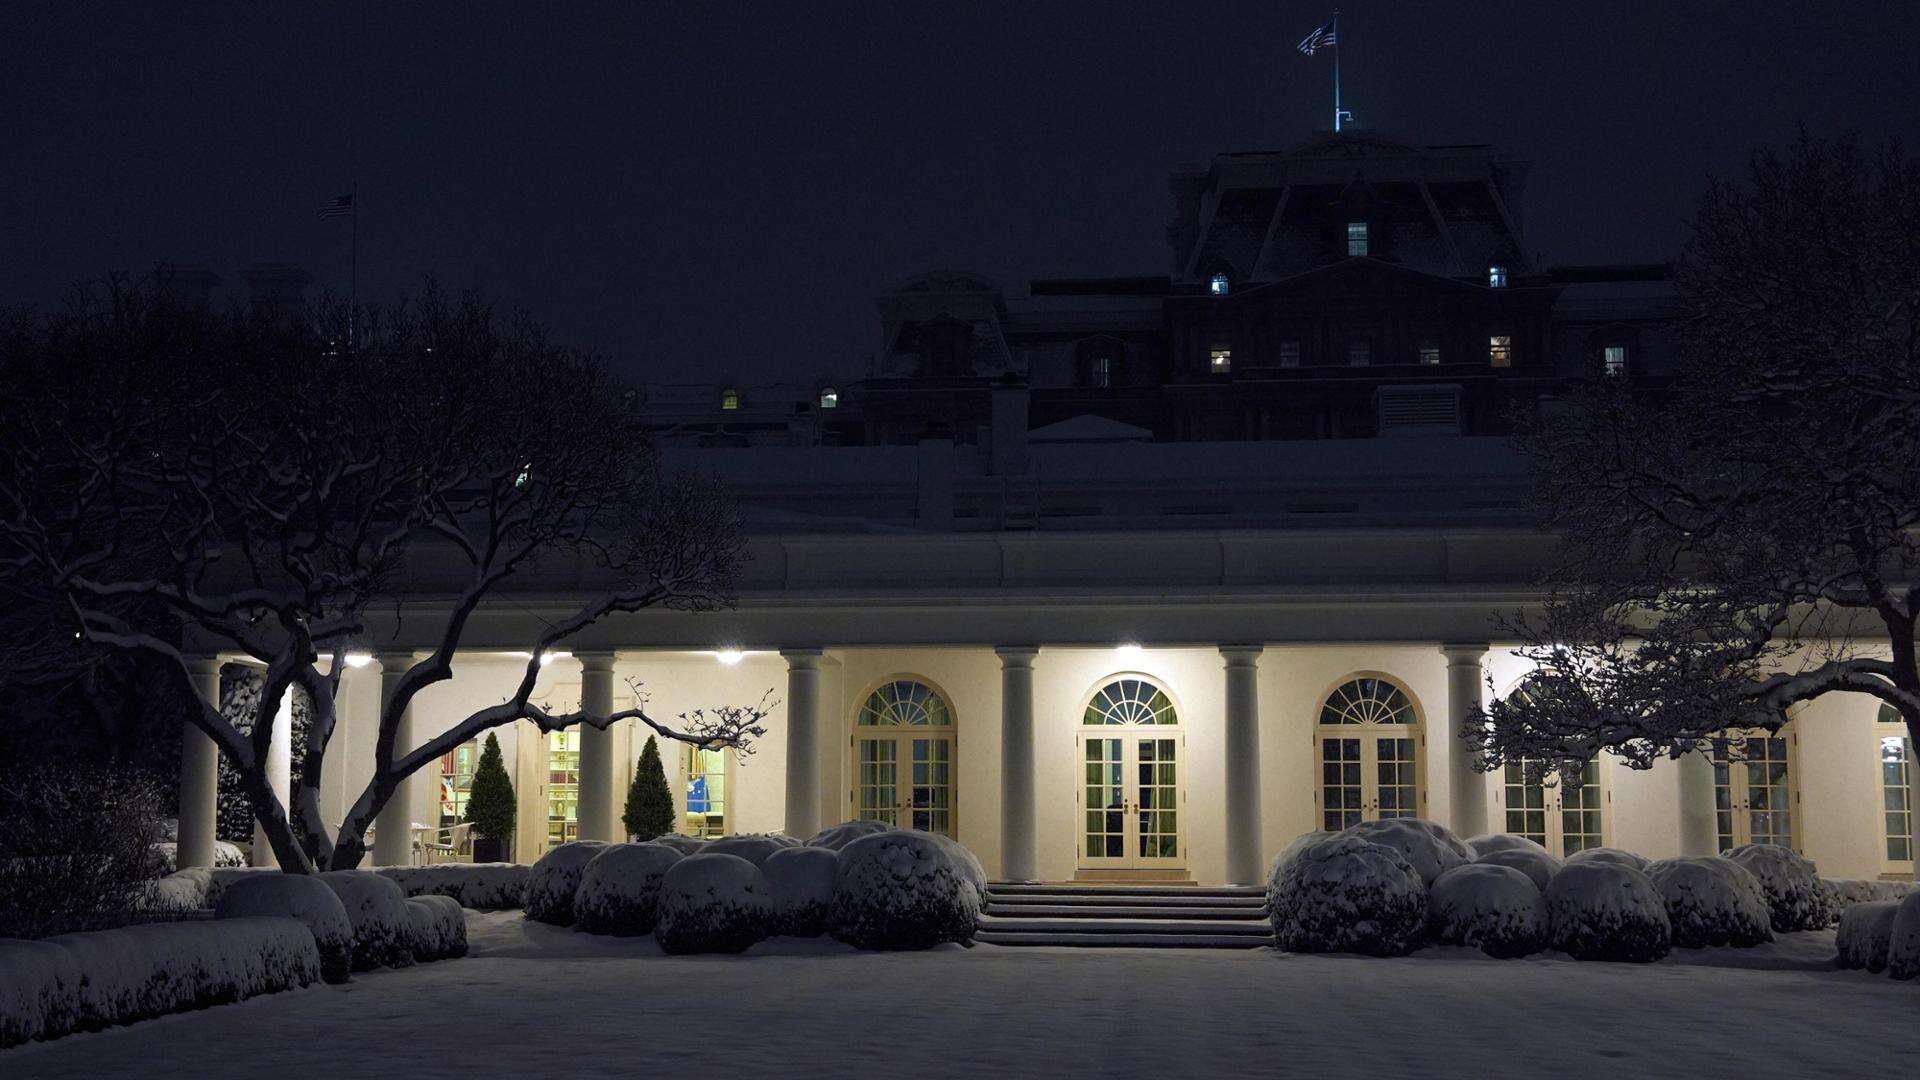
(1369, 777)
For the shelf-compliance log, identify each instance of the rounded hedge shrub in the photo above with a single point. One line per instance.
(901, 889)
(712, 903)
(753, 847)
(802, 881)
(1600, 910)
(1612, 855)
(620, 888)
(839, 836)
(1539, 866)
(1496, 909)
(377, 910)
(1711, 901)
(555, 880)
(1346, 894)
(296, 896)
(1430, 849)
(1796, 897)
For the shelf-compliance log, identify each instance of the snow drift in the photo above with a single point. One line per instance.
(620, 888)
(89, 981)
(1711, 901)
(1348, 894)
(296, 896)
(712, 902)
(1496, 909)
(1600, 910)
(555, 878)
(900, 889)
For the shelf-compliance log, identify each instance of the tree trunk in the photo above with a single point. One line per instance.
(272, 818)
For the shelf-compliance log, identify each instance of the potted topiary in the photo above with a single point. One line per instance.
(490, 805)
(649, 811)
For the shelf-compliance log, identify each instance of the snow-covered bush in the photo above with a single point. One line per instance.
(685, 845)
(182, 890)
(620, 888)
(1539, 866)
(1845, 892)
(801, 880)
(902, 889)
(1600, 910)
(1903, 939)
(839, 836)
(553, 881)
(76, 846)
(377, 910)
(88, 981)
(481, 886)
(1430, 849)
(296, 896)
(222, 876)
(1346, 894)
(166, 855)
(753, 847)
(436, 928)
(1711, 901)
(1294, 847)
(1615, 856)
(1795, 894)
(712, 902)
(1490, 842)
(1866, 929)
(1496, 909)
(969, 864)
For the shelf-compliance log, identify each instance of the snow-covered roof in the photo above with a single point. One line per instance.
(1089, 429)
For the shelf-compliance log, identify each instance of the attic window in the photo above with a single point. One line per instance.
(729, 398)
(1496, 277)
(1613, 360)
(1100, 371)
(829, 398)
(1220, 361)
(1356, 238)
(1429, 352)
(1218, 284)
(1500, 350)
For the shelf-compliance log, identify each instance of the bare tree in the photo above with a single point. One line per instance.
(185, 477)
(1743, 540)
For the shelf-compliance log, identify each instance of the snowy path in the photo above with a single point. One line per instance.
(534, 1002)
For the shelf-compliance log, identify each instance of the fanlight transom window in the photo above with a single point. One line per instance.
(1367, 701)
(1130, 702)
(905, 703)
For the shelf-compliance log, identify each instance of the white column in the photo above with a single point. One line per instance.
(1016, 762)
(393, 829)
(1699, 827)
(279, 775)
(199, 774)
(1243, 763)
(803, 742)
(1466, 786)
(597, 814)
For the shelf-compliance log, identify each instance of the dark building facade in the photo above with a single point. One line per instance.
(1354, 286)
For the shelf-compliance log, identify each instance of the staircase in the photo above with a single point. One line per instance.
(1125, 916)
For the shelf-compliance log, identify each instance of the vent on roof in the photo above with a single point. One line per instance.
(1421, 409)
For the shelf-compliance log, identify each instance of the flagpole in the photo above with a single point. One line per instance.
(1336, 69)
(353, 273)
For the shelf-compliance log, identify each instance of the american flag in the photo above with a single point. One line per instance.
(340, 206)
(1321, 37)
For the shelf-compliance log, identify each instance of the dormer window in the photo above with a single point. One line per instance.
(1356, 238)
(729, 398)
(1500, 350)
(1220, 361)
(1496, 277)
(1100, 371)
(1429, 352)
(1218, 285)
(829, 398)
(1613, 361)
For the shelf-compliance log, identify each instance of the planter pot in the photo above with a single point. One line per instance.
(487, 849)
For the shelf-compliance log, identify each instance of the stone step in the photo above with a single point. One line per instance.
(1120, 911)
(1143, 927)
(1096, 903)
(1025, 888)
(1122, 941)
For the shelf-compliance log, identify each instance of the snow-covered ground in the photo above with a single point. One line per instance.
(534, 1001)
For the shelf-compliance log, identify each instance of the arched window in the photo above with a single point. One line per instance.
(1369, 739)
(1130, 701)
(1496, 277)
(1218, 284)
(1754, 785)
(729, 398)
(1130, 757)
(903, 755)
(1544, 806)
(829, 398)
(1895, 798)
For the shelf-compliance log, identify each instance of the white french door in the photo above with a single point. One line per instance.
(1367, 774)
(1131, 800)
(904, 779)
(1754, 789)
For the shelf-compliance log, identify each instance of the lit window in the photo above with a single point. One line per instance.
(456, 781)
(563, 787)
(1290, 354)
(1368, 739)
(706, 772)
(903, 756)
(1895, 807)
(1217, 284)
(729, 398)
(1496, 277)
(1100, 371)
(829, 398)
(1613, 360)
(1429, 352)
(1359, 353)
(1500, 350)
(1220, 361)
(1356, 238)
(1754, 782)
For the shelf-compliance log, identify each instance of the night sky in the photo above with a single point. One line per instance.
(696, 187)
